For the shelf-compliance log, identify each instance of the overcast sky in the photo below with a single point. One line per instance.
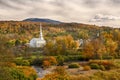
(100, 12)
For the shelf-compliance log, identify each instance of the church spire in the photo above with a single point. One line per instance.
(41, 36)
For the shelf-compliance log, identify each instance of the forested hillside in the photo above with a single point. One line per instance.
(100, 48)
(24, 31)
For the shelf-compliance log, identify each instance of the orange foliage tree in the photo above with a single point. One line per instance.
(88, 50)
(94, 49)
(48, 61)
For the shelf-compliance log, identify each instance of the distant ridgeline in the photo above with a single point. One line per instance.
(43, 20)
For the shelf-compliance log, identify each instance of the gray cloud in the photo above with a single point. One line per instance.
(115, 2)
(64, 10)
(102, 17)
(92, 3)
(4, 4)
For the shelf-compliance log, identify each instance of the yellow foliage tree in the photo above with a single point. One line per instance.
(111, 46)
(61, 45)
(28, 71)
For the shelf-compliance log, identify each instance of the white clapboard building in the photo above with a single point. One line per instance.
(38, 42)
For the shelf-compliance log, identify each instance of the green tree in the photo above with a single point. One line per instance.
(17, 42)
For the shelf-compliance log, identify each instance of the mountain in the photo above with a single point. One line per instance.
(42, 20)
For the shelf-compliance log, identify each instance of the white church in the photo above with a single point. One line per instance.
(38, 42)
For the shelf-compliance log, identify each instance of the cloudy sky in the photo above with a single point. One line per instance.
(100, 12)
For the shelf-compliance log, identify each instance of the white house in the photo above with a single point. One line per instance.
(38, 42)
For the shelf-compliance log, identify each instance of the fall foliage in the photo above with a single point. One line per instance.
(62, 47)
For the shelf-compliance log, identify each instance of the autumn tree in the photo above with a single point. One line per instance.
(99, 48)
(62, 45)
(88, 50)
(94, 49)
(6, 54)
(6, 58)
(116, 37)
(101, 51)
(66, 44)
(49, 48)
(83, 34)
(111, 46)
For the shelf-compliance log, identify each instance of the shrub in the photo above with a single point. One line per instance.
(107, 57)
(60, 70)
(28, 72)
(7, 64)
(95, 61)
(17, 73)
(74, 65)
(48, 61)
(108, 64)
(5, 73)
(106, 75)
(60, 60)
(26, 63)
(86, 68)
(37, 62)
(82, 58)
(22, 62)
(102, 67)
(107, 67)
(46, 64)
(94, 66)
(102, 62)
(58, 74)
(75, 58)
(52, 60)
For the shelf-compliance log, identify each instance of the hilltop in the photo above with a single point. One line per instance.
(43, 20)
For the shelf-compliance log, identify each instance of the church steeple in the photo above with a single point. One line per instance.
(38, 42)
(41, 36)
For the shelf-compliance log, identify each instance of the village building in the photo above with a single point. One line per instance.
(38, 42)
